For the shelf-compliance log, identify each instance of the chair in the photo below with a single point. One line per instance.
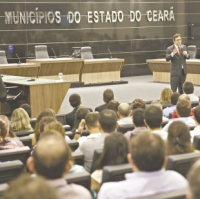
(73, 144)
(23, 133)
(85, 133)
(115, 173)
(78, 157)
(33, 122)
(86, 52)
(196, 142)
(3, 59)
(3, 188)
(192, 50)
(182, 163)
(194, 104)
(96, 156)
(21, 154)
(10, 170)
(26, 140)
(69, 134)
(61, 118)
(82, 178)
(41, 52)
(123, 128)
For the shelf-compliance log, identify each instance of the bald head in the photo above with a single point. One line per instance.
(124, 110)
(184, 97)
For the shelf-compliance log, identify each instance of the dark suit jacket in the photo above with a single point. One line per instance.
(101, 107)
(176, 61)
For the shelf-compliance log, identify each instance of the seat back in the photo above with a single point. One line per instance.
(123, 128)
(115, 173)
(3, 59)
(3, 187)
(86, 52)
(82, 178)
(182, 163)
(21, 154)
(96, 156)
(73, 144)
(27, 141)
(196, 142)
(23, 133)
(10, 170)
(78, 157)
(41, 52)
(192, 50)
(3, 92)
(33, 122)
(61, 118)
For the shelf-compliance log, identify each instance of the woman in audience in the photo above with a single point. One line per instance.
(138, 103)
(114, 153)
(165, 96)
(20, 120)
(113, 105)
(7, 142)
(178, 141)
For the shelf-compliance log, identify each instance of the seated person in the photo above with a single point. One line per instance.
(188, 88)
(124, 114)
(113, 105)
(147, 156)
(165, 96)
(27, 108)
(138, 103)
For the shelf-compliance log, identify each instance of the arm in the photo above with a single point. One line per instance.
(170, 54)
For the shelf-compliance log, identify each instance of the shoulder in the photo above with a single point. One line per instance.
(176, 177)
(170, 47)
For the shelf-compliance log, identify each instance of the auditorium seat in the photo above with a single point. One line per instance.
(196, 142)
(69, 134)
(41, 52)
(23, 133)
(181, 163)
(3, 59)
(96, 155)
(78, 158)
(123, 128)
(32, 122)
(73, 144)
(86, 52)
(85, 133)
(27, 141)
(3, 187)
(194, 104)
(192, 50)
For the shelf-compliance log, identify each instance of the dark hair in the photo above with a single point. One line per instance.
(153, 117)
(188, 87)
(27, 108)
(91, 120)
(114, 152)
(75, 100)
(197, 113)
(108, 95)
(183, 108)
(174, 98)
(138, 117)
(108, 120)
(51, 155)
(113, 105)
(178, 141)
(44, 121)
(138, 103)
(148, 151)
(176, 35)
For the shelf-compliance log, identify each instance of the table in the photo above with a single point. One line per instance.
(23, 69)
(161, 70)
(50, 68)
(41, 93)
(101, 70)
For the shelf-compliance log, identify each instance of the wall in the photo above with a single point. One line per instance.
(135, 41)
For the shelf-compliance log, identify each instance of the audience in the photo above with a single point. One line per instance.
(196, 130)
(178, 140)
(138, 123)
(124, 113)
(51, 160)
(27, 108)
(188, 88)
(44, 121)
(138, 103)
(108, 95)
(20, 120)
(7, 142)
(147, 156)
(114, 153)
(113, 105)
(165, 96)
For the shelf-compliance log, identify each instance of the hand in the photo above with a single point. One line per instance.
(174, 51)
(81, 126)
(185, 53)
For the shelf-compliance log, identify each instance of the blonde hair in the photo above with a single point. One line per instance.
(20, 120)
(4, 127)
(165, 96)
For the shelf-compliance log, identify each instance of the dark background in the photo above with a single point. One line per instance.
(134, 41)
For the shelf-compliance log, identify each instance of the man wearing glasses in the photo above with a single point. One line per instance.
(177, 54)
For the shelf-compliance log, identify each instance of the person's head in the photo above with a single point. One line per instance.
(153, 117)
(91, 120)
(157, 103)
(4, 127)
(20, 120)
(138, 103)
(108, 121)
(188, 87)
(178, 140)
(177, 39)
(124, 110)
(184, 97)
(75, 100)
(108, 95)
(25, 187)
(183, 108)
(113, 105)
(55, 125)
(174, 98)
(193, 178)
(114, 152)
(138, 117)
(197, 114)
(27, 108)
(165, 96)
(50, 157)
(147, 152)
(44, 121)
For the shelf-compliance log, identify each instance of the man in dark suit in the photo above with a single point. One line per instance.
(177, 54)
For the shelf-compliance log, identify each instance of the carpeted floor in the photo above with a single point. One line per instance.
(138, 87)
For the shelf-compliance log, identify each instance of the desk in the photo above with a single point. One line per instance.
(41, 93)
(23, 69)
(101, 70)
(50, 68)
(161, 70)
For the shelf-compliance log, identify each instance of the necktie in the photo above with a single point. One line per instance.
(179, 51)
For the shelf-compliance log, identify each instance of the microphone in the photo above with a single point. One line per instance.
(110, 53)
(19, 64)
(54, 53)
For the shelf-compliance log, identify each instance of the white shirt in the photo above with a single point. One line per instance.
(125, 120)
(169, 110)
(196, 131)
(193, 97)
(163, 134)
